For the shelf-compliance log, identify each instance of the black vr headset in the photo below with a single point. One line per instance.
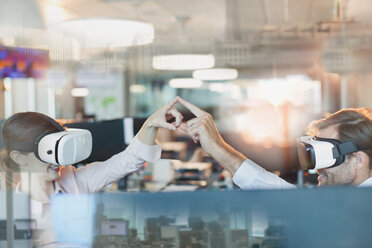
(318, 153)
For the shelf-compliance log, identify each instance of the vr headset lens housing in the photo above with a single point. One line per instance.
(306, 155)
(61, 148)
(66, 147)
(318, 153)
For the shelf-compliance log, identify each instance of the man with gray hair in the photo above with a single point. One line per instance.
(339, 147)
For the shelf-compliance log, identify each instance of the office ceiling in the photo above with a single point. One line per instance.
(253, 33)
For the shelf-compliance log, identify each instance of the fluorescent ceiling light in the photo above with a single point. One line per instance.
(185, 83)
(215, 74)
(137, 89)
(183, 62)
(106, 32)
(79, 92)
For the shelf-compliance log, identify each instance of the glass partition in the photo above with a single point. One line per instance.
(329, 217)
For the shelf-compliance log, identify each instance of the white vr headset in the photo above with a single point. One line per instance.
(317, 153)
(66, 147)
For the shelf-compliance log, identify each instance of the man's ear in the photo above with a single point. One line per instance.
(361, 159)
(18, 157)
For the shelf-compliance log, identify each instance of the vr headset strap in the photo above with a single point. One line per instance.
(344, 149)
(21, 146)
(27, 147)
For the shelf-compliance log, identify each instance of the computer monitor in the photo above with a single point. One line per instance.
(109, 137)
(23, 228)
(19, 62)
(114, 227)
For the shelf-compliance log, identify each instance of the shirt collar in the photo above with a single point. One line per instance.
(366, 183)
(57, 187)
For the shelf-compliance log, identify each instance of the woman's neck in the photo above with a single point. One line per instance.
(38, 189)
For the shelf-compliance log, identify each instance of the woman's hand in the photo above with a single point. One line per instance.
(160, 118)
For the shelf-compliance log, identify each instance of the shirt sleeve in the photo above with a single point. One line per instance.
(95, 176)
(252, 176)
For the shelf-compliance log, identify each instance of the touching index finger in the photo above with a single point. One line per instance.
(195, 110)
(172, 103)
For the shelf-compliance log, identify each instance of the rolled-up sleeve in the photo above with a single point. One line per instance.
(95, 176)
(252, 176)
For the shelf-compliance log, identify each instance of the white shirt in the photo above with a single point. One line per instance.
(252, 176)
(97, 175)
(366, 183)
(90, 179)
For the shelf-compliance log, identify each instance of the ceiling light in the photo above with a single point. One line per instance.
(185, 83)
(183, 62)
(79, 92)
(216, 74)
(106, 32)
(137, 89)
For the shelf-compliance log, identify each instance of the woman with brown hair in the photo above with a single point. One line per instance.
(26, 173)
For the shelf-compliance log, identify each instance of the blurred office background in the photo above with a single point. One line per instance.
(263, 68)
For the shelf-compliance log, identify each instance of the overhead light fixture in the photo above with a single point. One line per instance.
(185, 83)
(137, 89)
(183, 62)
(215, 74)
(106, 32)
(79, 92)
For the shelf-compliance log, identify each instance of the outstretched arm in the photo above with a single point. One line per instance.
(203, 129)
(246, 173)
(142, 148)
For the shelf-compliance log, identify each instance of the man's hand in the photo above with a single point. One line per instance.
(160, 118)
(203, 129)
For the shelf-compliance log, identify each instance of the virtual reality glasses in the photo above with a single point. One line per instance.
(317, 153)
(66, 147)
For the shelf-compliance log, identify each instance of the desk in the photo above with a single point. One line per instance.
(174, 150)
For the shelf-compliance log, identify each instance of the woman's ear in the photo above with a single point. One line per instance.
(361, 160)
(18, 157)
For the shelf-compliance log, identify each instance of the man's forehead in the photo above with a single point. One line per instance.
(328, 132)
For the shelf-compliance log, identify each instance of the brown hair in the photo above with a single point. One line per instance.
(22, 127)
(353, 124)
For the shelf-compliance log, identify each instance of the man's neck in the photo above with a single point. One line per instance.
(361, 177)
